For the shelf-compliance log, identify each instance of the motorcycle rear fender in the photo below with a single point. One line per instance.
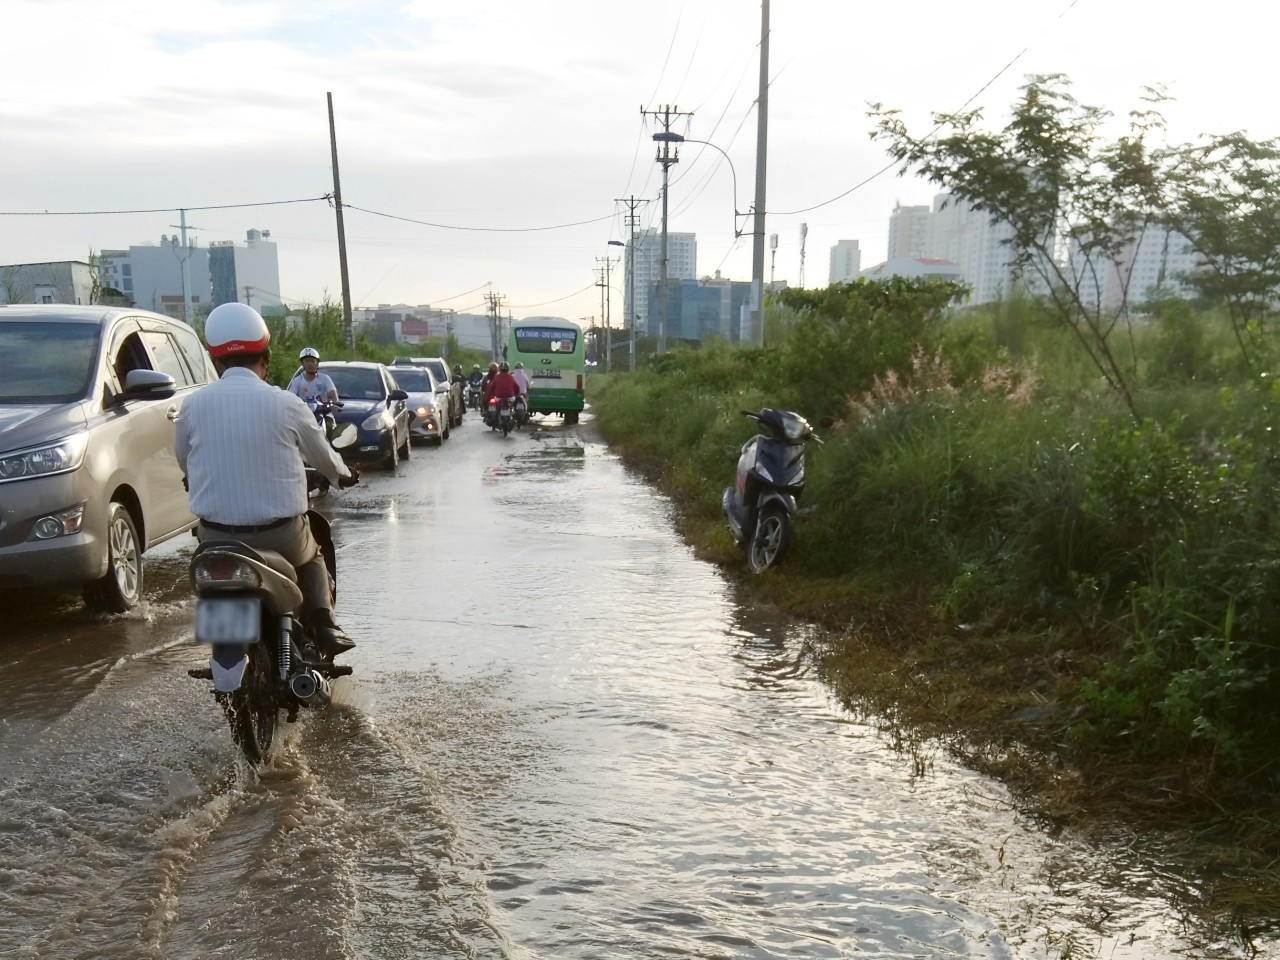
(279, 594)
(227, 662)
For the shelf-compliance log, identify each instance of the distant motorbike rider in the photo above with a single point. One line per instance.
(476, 376)
(241, 443)
(310, 384)
(504, 385)
(486, 385)
(522, 378)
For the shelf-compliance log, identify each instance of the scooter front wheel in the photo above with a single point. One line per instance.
(771, 540)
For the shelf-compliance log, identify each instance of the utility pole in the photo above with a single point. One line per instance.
(804, 232)
(666, 156)
(185, 260)
(754, 335)
(495, 322)
(606, 308)
(633, 221)
(342, 233)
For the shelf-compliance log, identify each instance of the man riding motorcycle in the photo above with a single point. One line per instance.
(241, 444)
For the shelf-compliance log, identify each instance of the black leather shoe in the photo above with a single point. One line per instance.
(330, 640)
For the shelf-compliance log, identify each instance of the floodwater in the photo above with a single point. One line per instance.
(565, 737)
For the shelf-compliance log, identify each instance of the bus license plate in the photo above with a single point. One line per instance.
(228, 619)
(546, 374)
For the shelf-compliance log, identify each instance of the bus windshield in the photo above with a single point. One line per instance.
(545, 339)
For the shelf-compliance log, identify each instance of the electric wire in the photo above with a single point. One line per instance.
(889, 166)
(526, 306)
(447, 226)
(113, 213)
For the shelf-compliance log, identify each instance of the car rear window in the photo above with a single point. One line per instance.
(47, 362)
(356, 383)
(415, 381)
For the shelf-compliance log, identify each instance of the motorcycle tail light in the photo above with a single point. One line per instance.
(224, 570)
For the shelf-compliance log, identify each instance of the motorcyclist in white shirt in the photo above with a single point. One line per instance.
(310, 384)
(240, 443)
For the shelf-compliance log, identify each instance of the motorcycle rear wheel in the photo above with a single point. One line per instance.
(771, 540)
(254, 709)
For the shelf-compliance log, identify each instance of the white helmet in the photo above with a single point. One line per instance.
(308, 352)
(235, 328)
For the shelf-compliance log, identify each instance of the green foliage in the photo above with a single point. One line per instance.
(973, 462)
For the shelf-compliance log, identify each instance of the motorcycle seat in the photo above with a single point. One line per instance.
(274, 560)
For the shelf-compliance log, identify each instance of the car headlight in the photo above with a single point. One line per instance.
(377, 421)
(61, 456)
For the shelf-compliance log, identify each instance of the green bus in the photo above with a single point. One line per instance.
(554, 357)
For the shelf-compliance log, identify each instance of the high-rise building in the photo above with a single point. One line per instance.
(846, 261)
(1156, 262)
(682, 264)
(908, 232)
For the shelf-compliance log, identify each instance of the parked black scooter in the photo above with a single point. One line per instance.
(770, 478)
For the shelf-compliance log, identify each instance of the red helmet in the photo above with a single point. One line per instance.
(235, 328)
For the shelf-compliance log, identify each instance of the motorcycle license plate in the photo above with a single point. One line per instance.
(228, 619)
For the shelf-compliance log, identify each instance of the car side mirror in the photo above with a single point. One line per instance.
(147, 385)
(397, 395)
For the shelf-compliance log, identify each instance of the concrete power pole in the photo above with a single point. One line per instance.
(185, 260)
(666, 156)
(606, 308)
(348, 332)
(754, 335)
(632, 221)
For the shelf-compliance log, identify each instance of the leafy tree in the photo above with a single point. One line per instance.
(1225, 199)
(1054, 180)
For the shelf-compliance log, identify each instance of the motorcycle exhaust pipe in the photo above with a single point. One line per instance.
(311, 688)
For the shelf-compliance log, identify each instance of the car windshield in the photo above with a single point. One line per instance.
(46, 362)
(356, 383)
(413, 381)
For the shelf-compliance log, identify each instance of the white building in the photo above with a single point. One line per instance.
(68, 281)
(1155, 262)
(249, 274)
(909, 232)
(151, 276)
(846, 261)
(915, 267)
(682, 264)
(968, 237)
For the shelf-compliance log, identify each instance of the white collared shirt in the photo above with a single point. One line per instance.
(241, 443)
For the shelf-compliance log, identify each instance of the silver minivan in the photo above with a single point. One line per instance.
(88, 478)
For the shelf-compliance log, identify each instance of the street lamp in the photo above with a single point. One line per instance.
(669, 137)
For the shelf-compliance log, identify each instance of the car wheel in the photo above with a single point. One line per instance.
(404, 447)
(444, 434)
(120, 590)
(392, 459)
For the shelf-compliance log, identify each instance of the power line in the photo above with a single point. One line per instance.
(889, 166)
(447, 226)
(104, 213)
(526, 306)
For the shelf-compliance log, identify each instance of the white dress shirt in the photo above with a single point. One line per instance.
(241, 443)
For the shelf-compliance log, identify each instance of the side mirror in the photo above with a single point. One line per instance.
(344, 436)
(148, 385)
(397, 395)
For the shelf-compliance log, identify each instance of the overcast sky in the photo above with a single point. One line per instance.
(505, 114)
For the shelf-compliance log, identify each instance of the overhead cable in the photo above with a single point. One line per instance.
(103, 213)
(447, 226)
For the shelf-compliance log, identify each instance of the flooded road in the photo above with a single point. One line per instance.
(565, 738)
